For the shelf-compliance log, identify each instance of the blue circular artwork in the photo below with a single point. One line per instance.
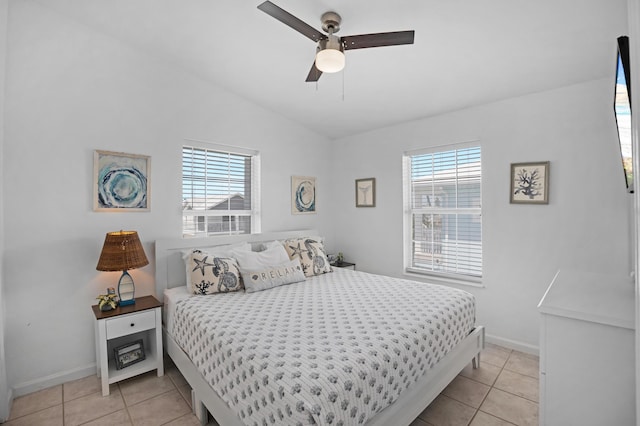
(306, 197)
(122, 187)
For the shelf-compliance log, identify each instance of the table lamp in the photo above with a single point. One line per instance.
(121, 251)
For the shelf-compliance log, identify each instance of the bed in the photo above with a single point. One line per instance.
(338, 348)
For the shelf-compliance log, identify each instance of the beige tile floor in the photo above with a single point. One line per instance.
(503, 391)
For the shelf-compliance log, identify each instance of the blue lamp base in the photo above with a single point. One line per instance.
(126, 289)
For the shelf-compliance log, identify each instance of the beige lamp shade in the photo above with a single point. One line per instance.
(122, 250)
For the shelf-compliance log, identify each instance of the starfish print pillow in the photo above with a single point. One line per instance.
(211, 274)
(310, 251)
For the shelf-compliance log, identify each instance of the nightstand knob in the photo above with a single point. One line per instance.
(132, 325)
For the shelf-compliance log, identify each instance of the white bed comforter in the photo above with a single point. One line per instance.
(333, 350)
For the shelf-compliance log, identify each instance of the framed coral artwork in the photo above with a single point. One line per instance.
(530, 183)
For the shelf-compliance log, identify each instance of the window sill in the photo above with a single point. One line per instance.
(438, 279)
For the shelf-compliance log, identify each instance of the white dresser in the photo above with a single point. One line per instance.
(587, 369)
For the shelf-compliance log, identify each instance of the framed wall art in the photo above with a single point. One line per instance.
(121, 182)
(303, 195)
(129, 354)
(366, 192)
(530, 183)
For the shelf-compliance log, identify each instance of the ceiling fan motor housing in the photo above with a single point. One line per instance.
(331, 42)
(331, 22)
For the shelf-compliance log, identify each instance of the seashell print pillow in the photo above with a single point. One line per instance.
(210, 274)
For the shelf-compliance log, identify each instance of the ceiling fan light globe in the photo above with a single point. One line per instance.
(330, 60)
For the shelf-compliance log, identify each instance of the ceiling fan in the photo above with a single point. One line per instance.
(330, 50)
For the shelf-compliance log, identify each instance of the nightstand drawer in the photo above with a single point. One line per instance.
(130, 324)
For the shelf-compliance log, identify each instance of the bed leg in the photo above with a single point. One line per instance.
(475, 362)
(199, 409)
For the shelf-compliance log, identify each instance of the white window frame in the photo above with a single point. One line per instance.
(409, 211)
(254, 213)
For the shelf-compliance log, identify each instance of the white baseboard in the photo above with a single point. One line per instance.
(53, 380)
(513, 344)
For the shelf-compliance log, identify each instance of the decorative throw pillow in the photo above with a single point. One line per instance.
(272, 276)
(210, 274)
(254, 260)
(310, 251)
(218, 251)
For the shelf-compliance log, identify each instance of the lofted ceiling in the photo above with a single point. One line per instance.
(466, 52)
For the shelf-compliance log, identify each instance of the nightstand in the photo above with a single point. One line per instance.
(126, 325)
(347, 265)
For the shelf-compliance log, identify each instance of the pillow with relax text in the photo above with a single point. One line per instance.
(272, 276)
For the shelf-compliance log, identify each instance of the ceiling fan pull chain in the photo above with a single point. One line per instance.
(343, 72)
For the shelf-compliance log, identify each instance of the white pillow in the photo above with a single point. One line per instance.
(270, 244)
(272, 276)
(218, 251)
(275, 254)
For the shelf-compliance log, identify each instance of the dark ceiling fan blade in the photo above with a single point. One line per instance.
(290, 20)
(363, 41)
(314, 74)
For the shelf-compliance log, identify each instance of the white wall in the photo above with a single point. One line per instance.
(634, 51)
(5, 394)
(71, 90)
(585, 225)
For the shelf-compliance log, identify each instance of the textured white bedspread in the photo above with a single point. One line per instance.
(333, 350)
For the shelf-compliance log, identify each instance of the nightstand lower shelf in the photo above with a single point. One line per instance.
(115, 375)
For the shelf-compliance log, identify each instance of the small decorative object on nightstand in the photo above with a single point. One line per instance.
(121, 251)
(134, 333)
(107, 302)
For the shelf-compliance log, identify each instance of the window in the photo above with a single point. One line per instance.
(443, 199)
(220, 193)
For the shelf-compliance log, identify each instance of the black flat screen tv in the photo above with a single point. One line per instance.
(622, 108)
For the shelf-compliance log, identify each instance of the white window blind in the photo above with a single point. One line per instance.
(443, 199)
(219, 191)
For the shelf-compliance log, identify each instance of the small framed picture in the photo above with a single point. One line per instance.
(366, 192)
(129, 354)
(530, 183)
(303, 195)
(121, 182)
